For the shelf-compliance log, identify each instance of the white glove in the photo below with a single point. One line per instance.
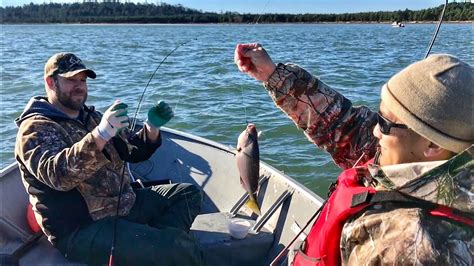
(113, 120)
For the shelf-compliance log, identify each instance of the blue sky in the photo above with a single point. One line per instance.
(276, 6)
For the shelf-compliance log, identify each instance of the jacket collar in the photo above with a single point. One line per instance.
(448, 182)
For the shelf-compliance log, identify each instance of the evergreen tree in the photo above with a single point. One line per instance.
(116, 12)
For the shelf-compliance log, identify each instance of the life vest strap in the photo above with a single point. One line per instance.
(410, 201)
(389, 196)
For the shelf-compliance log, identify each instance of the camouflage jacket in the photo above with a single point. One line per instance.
(384, 233)
(58, 154)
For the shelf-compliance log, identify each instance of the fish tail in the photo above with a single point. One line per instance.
(130, 147)
(253, 205)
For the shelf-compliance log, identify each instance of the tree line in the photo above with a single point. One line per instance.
(108, 12)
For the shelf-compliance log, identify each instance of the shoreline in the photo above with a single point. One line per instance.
(282, 23)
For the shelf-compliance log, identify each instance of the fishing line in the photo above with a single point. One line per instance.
(176, 105)
(178, 162)
(132, 128)
(134, 122)
(241, 87)
(435, 34)
(173, 149)
(243, 103)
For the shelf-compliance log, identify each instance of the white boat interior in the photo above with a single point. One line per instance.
(286, 205)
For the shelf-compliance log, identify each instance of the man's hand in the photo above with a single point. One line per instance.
(113, 120)
(252, 59)
(159, 114)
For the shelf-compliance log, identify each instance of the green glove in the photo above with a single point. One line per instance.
(118, 106)
(159, 114)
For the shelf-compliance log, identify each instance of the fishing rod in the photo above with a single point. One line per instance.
(283, 252)
(261, 14)
(285, 249)
(151, 77)
(437, 30)
(132, 128)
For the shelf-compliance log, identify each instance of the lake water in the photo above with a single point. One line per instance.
(212, 98)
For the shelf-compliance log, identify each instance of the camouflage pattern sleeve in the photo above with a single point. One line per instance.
(396, 234)
(389, 235)
(44, 150)
(328, 119)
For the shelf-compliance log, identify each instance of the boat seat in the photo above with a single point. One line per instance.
(18, 246)
(43, 251)
(220, 248)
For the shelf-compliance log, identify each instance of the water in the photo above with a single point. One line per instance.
(212, 97)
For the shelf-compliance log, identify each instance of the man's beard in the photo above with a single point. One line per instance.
(67, 101)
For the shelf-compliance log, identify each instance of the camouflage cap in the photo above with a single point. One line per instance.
(66, 65)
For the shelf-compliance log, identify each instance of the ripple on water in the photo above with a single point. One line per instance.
(212, 98)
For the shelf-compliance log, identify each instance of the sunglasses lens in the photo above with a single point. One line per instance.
(383, 125)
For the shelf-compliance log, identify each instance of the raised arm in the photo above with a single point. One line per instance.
(328, 118)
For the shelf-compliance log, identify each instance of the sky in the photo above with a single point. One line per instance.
(276, 6)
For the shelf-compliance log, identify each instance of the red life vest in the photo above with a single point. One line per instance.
(322, 245)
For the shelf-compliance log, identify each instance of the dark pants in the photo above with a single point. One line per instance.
(156, 232)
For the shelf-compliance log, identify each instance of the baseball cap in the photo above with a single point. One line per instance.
(66, 65)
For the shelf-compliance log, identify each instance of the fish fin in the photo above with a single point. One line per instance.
(259, 134)
(253, 205)
(130, 147)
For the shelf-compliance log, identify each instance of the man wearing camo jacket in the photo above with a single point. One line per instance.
(72, 157)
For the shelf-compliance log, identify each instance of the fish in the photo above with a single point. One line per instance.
(248, 164)
(125, 131)
(123, 135)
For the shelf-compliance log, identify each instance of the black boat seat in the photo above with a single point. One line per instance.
(220, 248)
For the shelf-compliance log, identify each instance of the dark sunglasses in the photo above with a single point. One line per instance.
(385, 125)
